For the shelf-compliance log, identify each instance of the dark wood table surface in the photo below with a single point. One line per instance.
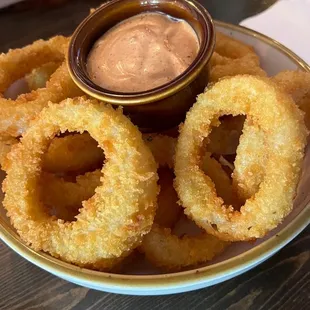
(282, 282)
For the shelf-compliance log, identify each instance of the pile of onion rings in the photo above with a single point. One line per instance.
(96, 195)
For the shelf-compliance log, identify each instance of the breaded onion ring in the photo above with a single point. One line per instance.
(297, 84)
(73, 153)
(16, 63)
(277, 116)
(252, 155)
(173, 253)
(6, 144)
(231, 48)
(114, 220)
(15, 115)
(250, 161)
(161, 246)
(233, 57)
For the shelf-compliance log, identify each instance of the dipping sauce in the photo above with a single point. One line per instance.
(142, 53)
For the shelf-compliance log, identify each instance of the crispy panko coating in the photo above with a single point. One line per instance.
(232, 57)
(173, 253)
(252, 155)
(276, 115)
(115, 219)
(15, 115)
(297, 84)
(167, 250)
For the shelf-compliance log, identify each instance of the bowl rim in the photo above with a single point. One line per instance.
(152, 95)
(180, 280)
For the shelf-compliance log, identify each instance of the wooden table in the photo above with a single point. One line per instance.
(283, 282)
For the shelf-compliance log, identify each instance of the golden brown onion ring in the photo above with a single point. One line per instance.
(252, 155)
(282, 123)
(297, 84)
(15, 64)
(114, 220)
(161, 246)
(171, 252)
(233, 57)
(244, 65)
(15, 115)
(231, 48)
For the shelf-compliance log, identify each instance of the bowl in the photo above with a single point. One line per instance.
(162, 107)
(141, 279)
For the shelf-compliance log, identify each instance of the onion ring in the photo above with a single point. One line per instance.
(15, 64)
(278, 117)
(15, 115)
(233, 57)
(166, 250)
(231, 48)
(297, 84)
(251, 157)
(112, 222)
(171, 252)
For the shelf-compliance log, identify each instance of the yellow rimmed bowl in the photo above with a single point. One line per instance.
(237, 259)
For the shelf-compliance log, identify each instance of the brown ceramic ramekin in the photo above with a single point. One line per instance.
(162, 107)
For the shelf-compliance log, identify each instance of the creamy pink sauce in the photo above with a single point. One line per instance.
(142, 53)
